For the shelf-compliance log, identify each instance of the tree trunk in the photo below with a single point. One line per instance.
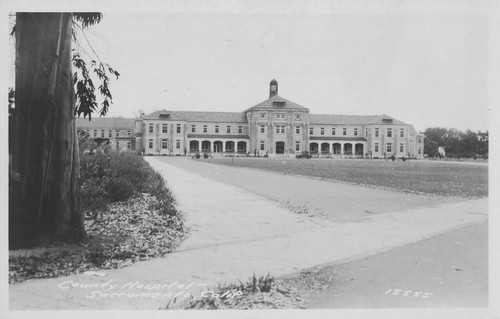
(45, 150)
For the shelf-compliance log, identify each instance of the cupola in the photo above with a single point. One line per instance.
(273, 88)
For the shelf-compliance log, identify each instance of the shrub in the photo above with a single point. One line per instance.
(116, 177)
(118, 189)
(205, 155)
(197, 155)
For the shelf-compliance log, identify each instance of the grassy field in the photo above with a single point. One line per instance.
(443, 178)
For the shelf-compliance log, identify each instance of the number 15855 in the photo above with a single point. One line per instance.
(408, 293)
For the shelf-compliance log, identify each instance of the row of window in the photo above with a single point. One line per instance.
(103, 133)
(388, 132)
(164, 128)
(389, 147)
(355, 131)
(164, 144)
(280, 116)
(281, 129)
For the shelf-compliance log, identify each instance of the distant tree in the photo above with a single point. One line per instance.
(434, 137)
(457, 144)
(483, 144)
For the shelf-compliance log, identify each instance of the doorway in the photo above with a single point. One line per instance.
(280, 147)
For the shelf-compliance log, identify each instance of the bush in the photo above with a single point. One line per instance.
(105, 179)
(118, 189)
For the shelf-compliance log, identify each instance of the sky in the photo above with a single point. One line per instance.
(424, 68)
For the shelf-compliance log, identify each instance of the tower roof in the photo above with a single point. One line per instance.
(277, 102)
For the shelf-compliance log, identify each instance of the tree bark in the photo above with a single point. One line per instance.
(45, 157)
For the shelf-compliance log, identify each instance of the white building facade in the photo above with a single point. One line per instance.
(276, 127)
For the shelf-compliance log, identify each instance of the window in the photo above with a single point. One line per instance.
(262, 129)
(164, 116)
(102, 133)
(216, 128)
(150, 143)
(401, 148)
(344, 131)
(129, 144)
(376, 132)
(228, 129)
(389, 132)
(389, 148)
(95, 133)
(280, 129)
(376, 147)
(117, 133)
(129, 132)
(262, 116)
(261, 145)
(164, 128)
(297, 116)
(164, 144)
(297, 146)
(178, 128)
(193, 128)
(177, 144)
(322, 131)
(240, 129)
(311, 130)
(205, 128)
(151, 128)
(333, 130)
(110, 133)
(402, 132)
(280, 116)
(419, 150)
(355, 132)
(297, 130)
(420, 139)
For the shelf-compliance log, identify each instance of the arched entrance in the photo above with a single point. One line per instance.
(242, 147)
(347, 149)
(313, 147)
(194, 146)
(217, 147)
(325, 148)
(206, 146)
(359, 149)
(336, 148)
(229, 146)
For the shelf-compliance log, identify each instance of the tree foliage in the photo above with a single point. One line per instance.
(456, 143)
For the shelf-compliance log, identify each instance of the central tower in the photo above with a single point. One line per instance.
(273, 88)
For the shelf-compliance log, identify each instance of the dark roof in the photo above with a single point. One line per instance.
(271, 104)
(105, 123)
(336, 138)
(381, 118)
(196, 116)
(202, 136)
(352, 119)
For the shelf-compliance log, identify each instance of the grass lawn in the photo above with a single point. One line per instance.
(443, 178)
